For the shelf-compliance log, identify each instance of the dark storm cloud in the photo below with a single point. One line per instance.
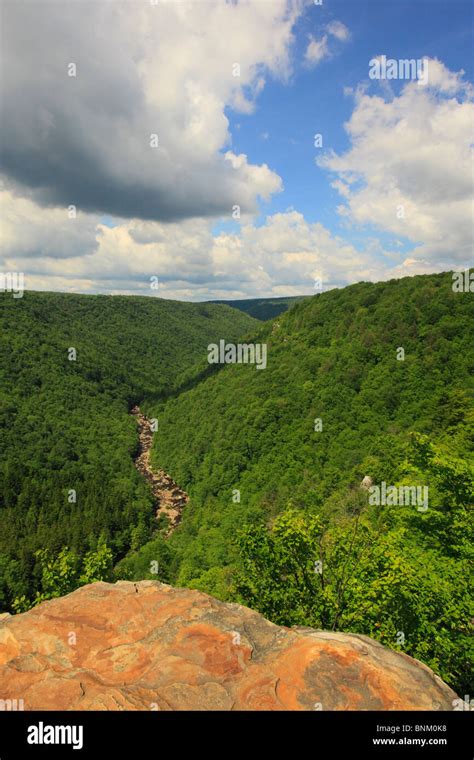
(85, 140)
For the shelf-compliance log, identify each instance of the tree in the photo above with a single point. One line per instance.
(65, 572)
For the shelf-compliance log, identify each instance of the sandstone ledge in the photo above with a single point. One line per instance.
(149, 646)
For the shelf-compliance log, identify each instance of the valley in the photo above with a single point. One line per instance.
(239, 493)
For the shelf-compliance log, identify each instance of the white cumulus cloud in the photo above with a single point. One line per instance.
(409, 169)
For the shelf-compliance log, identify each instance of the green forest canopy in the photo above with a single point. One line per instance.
(272, 460)
(65, 424)
(335, 404)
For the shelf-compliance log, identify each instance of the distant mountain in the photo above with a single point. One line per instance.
(263, 308)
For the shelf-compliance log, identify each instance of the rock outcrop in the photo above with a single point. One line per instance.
(149, 646)
(367, 482)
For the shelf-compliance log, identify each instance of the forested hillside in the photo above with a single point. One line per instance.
(372, 380)
(368, 384)
(67, 440)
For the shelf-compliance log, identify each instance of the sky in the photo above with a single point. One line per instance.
(234, 148)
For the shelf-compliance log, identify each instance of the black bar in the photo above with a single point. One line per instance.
(132, 735)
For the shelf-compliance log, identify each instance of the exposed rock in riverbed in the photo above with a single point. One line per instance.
(170, 498)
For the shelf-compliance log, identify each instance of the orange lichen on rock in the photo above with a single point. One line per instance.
(149, 646)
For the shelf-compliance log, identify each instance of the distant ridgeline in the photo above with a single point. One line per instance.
(303, 477)
(263, 308)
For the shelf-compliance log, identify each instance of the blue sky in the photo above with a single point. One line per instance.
(314, 100)
(389, 193)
